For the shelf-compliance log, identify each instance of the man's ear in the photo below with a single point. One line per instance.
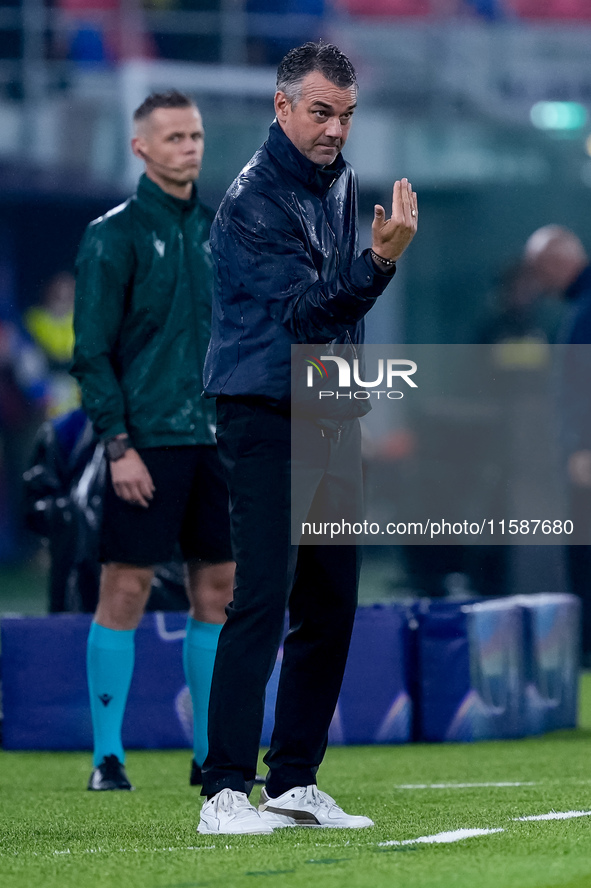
(282, 106)
(137, 146)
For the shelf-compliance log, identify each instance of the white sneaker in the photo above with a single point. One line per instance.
(308, 806)
(230, 813)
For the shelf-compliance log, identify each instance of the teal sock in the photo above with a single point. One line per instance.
(110, 656)
(199, 650)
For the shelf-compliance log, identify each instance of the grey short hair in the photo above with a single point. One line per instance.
(301, 61)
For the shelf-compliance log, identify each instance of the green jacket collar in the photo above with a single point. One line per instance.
(151, 193)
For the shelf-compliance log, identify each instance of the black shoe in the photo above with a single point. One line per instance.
(196, 778)
(110, 774)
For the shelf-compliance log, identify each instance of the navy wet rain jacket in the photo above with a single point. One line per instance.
(284, 244)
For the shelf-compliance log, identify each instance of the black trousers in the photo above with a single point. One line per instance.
(319, 583)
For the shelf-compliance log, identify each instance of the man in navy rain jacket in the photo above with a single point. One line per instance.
(284, 244)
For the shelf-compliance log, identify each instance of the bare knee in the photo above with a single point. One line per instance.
(124, 591)
(210, 590)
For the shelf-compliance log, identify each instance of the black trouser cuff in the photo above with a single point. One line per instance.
(235, 782)
(285, 779)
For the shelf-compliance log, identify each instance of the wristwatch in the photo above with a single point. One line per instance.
(117, 447)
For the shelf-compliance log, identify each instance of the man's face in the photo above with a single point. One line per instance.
(319, 123)
(551, 271)
(170, 141)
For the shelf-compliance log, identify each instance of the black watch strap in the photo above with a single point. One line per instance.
(115, 448)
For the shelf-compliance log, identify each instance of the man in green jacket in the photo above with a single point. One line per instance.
(142, 325)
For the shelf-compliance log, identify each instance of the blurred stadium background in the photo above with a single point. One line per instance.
(483, 104)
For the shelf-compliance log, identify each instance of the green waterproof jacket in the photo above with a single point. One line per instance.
(142, 320)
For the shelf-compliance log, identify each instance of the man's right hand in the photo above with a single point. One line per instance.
(131, 479)
(391, 237)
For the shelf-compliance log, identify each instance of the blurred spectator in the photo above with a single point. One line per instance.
(269, 50)
(64, 488)
(521, 310)
(521, 313)
(408, 8)
(63, 494)
(105, 31)
(189, 46)
(22, 401)
(551, 9)
(23, 387)
(561, 265)
(50, 324)
(385, 7)
(486, 9)
(558, 260)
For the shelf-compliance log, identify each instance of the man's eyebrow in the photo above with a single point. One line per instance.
(196, 131)
(329, 107)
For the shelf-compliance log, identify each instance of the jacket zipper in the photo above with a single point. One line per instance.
(329, 226)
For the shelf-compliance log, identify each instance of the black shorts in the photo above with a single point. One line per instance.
(189, 508)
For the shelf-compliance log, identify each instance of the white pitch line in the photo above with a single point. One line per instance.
(456, 835)
(459, 785)
(459, 835)
(555, 815)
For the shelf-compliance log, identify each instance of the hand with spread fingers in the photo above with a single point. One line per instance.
(391, 237)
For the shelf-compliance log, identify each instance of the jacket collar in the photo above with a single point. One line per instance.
(148, 191)
(316, 178)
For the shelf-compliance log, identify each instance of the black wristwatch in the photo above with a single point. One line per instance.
(115, 448)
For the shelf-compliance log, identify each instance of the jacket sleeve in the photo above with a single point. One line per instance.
(103, 272)
(266, 254)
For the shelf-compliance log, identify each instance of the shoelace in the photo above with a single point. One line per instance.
(316, 797)
(229, 800)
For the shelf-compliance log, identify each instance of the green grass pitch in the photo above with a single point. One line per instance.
(54, 834)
